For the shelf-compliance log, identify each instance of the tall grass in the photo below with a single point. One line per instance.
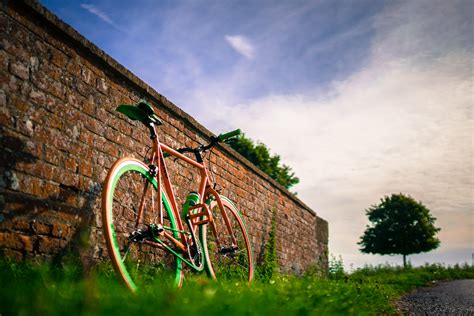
(43, 289)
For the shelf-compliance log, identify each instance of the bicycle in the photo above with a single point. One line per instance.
(143, 224)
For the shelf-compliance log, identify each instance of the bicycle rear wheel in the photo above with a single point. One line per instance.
(227, 258)
(134, 258)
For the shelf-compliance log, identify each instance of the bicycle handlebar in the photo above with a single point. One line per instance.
(214, 141)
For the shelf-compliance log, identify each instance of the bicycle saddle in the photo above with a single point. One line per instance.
(142, 111)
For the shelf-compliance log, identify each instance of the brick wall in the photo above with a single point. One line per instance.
(60, 135)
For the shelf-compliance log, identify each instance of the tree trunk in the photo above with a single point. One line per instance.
(404, 261)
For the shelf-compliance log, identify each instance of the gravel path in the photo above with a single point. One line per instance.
(445, 298)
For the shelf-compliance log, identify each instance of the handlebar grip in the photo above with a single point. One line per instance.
(225, 136)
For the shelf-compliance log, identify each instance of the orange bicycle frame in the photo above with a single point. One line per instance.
(164, 182)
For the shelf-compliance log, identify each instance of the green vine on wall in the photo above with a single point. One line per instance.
(269, 263)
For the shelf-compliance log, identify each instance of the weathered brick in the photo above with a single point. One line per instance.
(50, 245)
(95, 125)
(16, 241)
(58, 58)
(31, 185)
(82, 150)
(86, 137)
(21, 224)
(41, 228)
(56, 89)
(18, 51)
(111, 149)
(62, 231)
(84, 89)
(74, 68)
(52, 189)
(64, 177)
(52, 72)
(37, 96)
(56, 122)
(85, 168)
(70, 164)
(34, 63)
(101, 85)
(87, 75)
(20, 70)
(52, 155)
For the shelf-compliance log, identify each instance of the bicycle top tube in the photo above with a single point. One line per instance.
(199, 150)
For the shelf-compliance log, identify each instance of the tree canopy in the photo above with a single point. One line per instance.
(399, 225)
(260, 156)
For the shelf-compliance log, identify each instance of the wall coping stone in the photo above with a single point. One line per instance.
(43, 15)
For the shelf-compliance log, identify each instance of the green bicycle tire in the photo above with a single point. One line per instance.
(121, 196)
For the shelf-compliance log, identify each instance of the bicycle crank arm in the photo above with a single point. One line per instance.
(175, 241)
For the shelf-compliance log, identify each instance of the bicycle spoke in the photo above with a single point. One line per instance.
(124, 257)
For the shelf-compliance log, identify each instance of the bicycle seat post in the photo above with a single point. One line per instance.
(152, 129)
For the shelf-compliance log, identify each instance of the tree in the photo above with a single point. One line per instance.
(400, 225)
(260, 156)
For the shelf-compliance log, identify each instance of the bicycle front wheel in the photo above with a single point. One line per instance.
(128, 185)
(228, 252)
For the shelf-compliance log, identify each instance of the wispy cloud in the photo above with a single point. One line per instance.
(242, 45)
(100, 14)
(400, 129)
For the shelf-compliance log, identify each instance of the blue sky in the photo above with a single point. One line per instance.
(375, 97)
(298, 43)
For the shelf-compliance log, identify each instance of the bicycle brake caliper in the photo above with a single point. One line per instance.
(152, 170)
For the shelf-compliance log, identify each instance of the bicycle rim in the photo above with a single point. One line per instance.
(136, 262)
(226, 262)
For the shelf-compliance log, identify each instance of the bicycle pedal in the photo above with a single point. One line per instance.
(225, 250)
(139, 235)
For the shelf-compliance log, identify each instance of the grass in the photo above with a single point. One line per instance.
(31, 289)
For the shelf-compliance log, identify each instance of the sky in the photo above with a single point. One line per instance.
(361, 99)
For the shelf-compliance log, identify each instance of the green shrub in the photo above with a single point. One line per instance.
(336, 268)
(259, 154)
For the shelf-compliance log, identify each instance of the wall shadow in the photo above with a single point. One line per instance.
(16, 205)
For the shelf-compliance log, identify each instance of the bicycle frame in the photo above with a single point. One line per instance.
(163, 180)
